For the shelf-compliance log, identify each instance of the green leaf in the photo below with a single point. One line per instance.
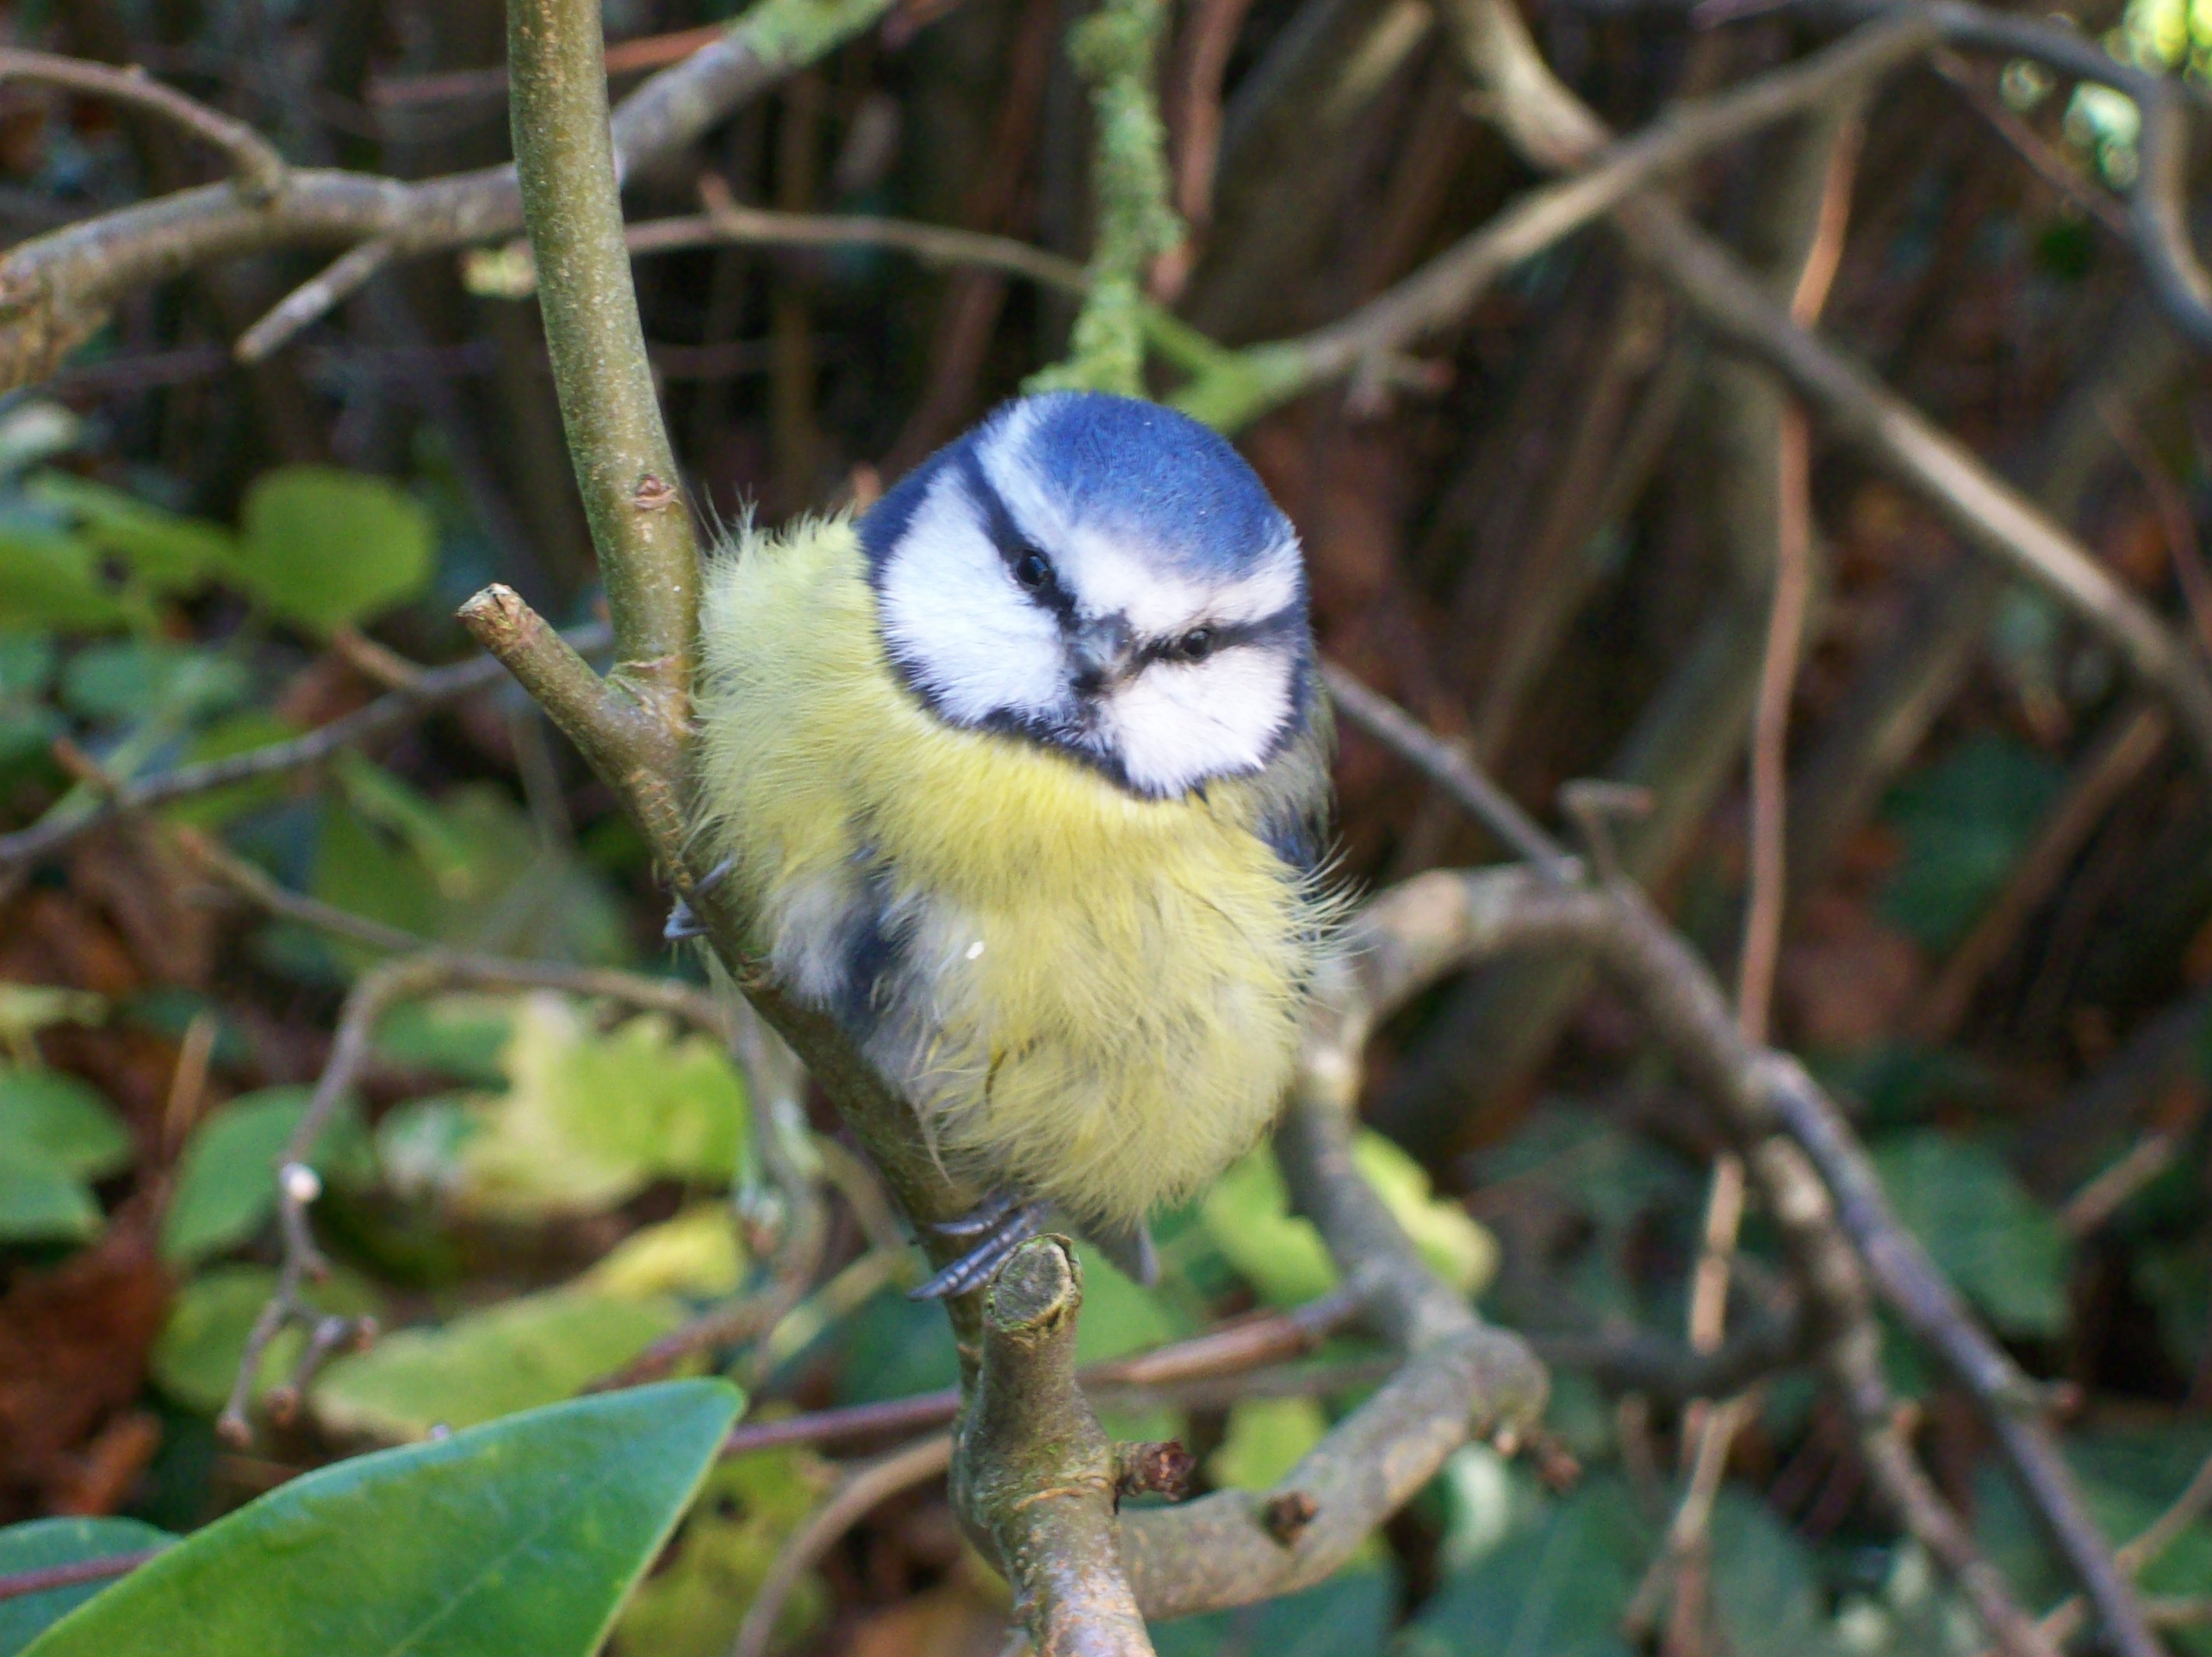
(241, 732)
(1266, 1437)
(482, 1365)
(697, 1254)
(195, 1356)
(129, 679)
(1764, 1584)
(325, 548)
(227, 1178)
(1965, 822)
(1557, 1588)
(468, 869)
(692, 1605)
(40, 1200)
(27, 663)
(590, 1120)
(1247, 1214)
(2003, 1249)
(519, 1537)
(463, 1035)
(50, 580)
(64, 1116)
(44, 1542)
(1349, 1615)
(168, 552)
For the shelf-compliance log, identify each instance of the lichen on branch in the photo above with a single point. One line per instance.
(1116, 49)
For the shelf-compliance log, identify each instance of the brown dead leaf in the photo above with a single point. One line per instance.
(134, 880)
(1847, 977)
(73, 1346)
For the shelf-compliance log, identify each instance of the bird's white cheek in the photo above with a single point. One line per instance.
(1177, 724)
(951, 614)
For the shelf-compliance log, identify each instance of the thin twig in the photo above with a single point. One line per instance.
(1444, 765)
(1249, 382)
(731, 223)
(60, 288)
(315, 298)
(260, 171)
(1267, 1338)
(2145, 1551)
(1837, 1242)
(19, 1584)
(298, 1185)
(859, 1494)
(433, 688)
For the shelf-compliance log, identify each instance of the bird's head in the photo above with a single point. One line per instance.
(1104, 576)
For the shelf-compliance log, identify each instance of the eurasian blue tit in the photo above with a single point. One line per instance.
(1026, 771)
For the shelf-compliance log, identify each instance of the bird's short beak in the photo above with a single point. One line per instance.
(1101, 650)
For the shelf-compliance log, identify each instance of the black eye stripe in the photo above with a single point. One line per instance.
(1013, 547)
(1287, 621)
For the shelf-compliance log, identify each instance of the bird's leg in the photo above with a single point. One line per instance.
(1000, 1224)
(681, 922)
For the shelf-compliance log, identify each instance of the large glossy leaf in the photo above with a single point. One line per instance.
(519, 1537)
(44, 1542)
(2003, 1249)
(324, 548)
(692, 1605)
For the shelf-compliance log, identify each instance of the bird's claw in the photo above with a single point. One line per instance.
(684, 922)
(1000, 1225)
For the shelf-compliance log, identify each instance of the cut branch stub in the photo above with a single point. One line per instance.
(1034, 1478)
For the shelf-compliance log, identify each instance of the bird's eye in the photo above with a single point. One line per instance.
(1196, 645)
(1033, 569)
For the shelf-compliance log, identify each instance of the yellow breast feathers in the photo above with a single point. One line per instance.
(1096, 998)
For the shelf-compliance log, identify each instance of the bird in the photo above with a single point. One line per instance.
(1025, 770)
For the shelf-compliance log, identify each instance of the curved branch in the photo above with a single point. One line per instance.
(1462, 1376)
(259, 170)
(57, 290)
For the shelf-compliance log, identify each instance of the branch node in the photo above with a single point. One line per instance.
(1285, 1516)
(651, 495)
(1153, 1469)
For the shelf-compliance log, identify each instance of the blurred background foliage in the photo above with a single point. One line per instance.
(1998, 946)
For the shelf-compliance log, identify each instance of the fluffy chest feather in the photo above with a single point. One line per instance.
(1096, 996)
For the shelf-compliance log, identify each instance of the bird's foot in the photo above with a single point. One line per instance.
(999, 1224)
(683, 921)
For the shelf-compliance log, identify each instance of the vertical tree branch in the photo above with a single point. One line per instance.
(571, 202)
(1034, 1477)
(1115, 49)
